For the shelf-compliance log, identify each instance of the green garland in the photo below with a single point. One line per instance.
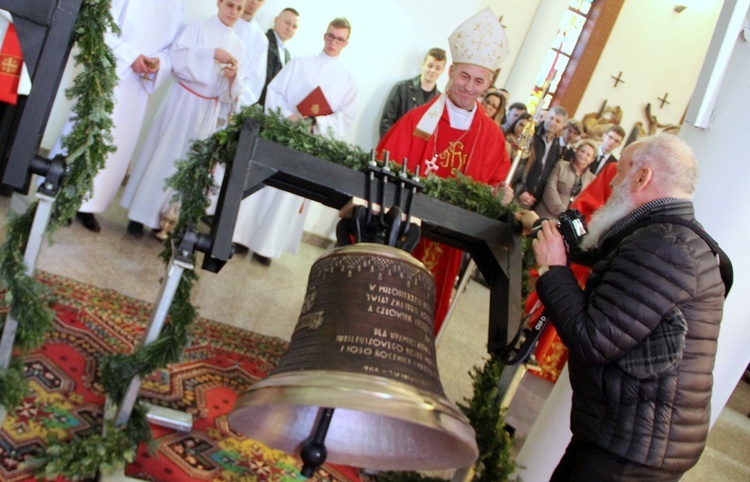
(486, 415)
(90, 141)
(89, 145)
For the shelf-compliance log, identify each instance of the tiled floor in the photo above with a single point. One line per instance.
(268, 299)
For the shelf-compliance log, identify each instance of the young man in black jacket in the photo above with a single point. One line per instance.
(411, 93)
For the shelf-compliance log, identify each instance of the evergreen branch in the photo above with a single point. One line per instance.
(82, 458)
(13, 384)
(24, 296)
(485, 414)
(90, 141)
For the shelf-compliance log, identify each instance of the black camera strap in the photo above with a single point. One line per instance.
(725, 264)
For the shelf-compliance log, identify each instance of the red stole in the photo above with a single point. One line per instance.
(11, 61)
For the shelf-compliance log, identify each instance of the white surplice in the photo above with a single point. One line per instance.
(270, 222)
(256, 58)
(147, 27)
(189, 112)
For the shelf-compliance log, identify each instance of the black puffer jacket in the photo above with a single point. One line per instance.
(648, 284)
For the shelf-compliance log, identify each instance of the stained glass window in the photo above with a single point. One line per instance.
(562, 48)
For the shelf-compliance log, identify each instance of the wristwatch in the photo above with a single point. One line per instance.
(542, 269)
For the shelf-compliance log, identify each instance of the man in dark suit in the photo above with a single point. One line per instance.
(284, 27)
(571, 134)
(546, 154)
(611, 139)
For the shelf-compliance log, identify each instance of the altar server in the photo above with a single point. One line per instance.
(207, 72)
(148, 28)
(256, 55)
(270, 221)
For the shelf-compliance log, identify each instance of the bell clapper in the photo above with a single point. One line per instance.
(314, 452)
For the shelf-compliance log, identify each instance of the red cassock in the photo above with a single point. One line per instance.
(478, 153)
(550, 351)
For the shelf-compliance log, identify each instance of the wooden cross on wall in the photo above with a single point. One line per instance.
(618, 79)
(664, 100)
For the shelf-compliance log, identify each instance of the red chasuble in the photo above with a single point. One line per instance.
(478, 153)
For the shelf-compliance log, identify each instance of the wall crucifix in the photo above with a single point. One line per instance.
(664, 100)
(618, 79)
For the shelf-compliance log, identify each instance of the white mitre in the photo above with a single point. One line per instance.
(481, 41)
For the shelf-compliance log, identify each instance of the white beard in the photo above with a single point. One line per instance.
(617, 207)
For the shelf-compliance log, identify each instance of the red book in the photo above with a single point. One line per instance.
(314, 105)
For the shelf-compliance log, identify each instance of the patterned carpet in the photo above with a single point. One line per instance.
(66, 398)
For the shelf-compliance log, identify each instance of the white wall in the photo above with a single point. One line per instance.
(518, 16)
(658, 51)
(721, 194)
(541, 21)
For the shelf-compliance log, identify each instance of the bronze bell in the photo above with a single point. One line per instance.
(363, 346)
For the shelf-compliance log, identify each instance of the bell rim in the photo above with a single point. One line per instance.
(341, 390)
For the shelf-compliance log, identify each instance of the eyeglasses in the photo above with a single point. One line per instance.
(333, 38)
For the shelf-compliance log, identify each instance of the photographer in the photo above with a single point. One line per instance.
(642, 335)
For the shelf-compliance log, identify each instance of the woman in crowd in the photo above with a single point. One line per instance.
(494, 106)
(567, 180)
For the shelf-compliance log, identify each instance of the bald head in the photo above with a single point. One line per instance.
(660, 166)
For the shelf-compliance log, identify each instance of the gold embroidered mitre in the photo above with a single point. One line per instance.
(480, 40)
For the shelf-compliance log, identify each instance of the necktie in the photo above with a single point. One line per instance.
(595, 165)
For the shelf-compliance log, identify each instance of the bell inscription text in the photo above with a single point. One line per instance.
(368, 309)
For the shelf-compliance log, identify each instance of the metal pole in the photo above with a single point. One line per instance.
(158, 316)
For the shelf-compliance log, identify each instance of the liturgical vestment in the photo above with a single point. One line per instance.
(189, 112)
(256, 58)
(147, 27)
(478, 152)
(270, 222)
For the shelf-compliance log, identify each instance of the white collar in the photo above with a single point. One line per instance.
(459, 118)
(324, 55)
